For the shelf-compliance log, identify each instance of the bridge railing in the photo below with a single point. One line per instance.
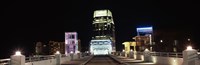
(39, 58)
(167, 54)
(5, 61)
(198, 54)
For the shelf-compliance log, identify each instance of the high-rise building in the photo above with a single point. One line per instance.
(103, 31)
(38, 48)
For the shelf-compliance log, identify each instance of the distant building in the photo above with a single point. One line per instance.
(49, 48)
(71, 42)
(144, 38)
(38, 48)
(170, 41)
(129, 46)
(56, 46)
(41, 48)
(103, 37)
(79, 45)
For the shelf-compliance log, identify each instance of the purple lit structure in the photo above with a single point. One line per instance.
(71, 42)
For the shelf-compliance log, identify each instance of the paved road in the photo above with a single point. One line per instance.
(102, 60)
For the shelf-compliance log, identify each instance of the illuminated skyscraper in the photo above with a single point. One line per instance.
(103, 27)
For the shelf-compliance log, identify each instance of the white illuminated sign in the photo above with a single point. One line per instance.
(145, 29)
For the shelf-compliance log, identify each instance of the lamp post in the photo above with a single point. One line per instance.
(18, 59)
(161, 41)
(189, 56)
(58, 57)
(71, 55)
(189, 40)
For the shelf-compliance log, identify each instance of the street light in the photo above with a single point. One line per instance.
(123, 50)
(57, 52)
(188, 39)
(161, 41)
(189, 48)
(18, 53)
(131, 50)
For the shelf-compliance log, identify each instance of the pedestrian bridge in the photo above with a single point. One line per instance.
(131, 58)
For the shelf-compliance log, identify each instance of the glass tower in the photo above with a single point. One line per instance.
(103, 27)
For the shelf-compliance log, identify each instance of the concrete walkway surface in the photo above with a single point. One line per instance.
(77, 61)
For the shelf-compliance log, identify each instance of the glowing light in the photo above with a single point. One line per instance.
(18, 53)
(154, 59)
(57, 52)
(161, 40)
(98, 47)
(188, 39)
(146, 49)
(131, 50)
(71, 52)
(189, 48)
(100, 13)
(78, 51)
(123, 50)
(145, 29)
(174, 60)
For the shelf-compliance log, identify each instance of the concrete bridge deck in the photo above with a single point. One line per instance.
(125, 60)
(77, 61)
(131, 61)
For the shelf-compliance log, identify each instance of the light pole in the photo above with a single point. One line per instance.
(189, 41)
(161, 41)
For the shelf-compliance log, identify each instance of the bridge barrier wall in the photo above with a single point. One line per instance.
(53, 61)
(45, 60)
(42, 62)
(197, 62)
(162, 60)
(167, 60)
(64, 59)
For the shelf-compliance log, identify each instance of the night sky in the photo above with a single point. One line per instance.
(25, 22)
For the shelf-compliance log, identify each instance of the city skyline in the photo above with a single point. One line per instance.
(27, 22)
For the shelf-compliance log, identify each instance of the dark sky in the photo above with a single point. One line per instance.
(25, 22)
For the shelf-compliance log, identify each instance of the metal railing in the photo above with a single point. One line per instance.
(168, 54)
(5, 61)
(29, 59)
(39, 58)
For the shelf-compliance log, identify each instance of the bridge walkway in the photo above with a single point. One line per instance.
(131, 61)
(77, 61)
